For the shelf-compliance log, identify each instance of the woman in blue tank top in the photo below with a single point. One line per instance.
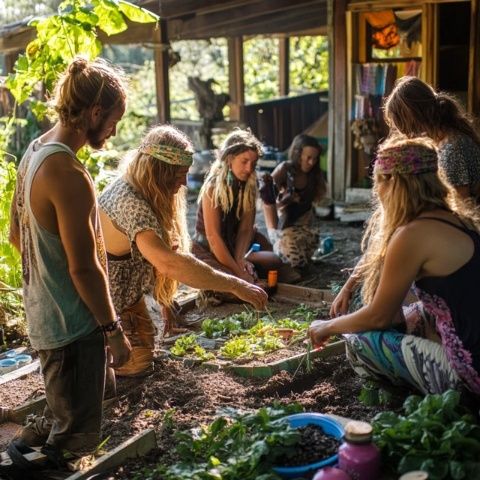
(420, 234)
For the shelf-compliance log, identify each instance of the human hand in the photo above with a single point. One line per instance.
(319, 332)
(341, 303)
(251, 293)
(119, 348)
(247, 270)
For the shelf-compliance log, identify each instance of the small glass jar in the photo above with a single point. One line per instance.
(358, 456)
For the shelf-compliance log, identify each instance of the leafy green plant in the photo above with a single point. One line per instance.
(238, 347)
(304, 312)
(293, 324)
(435, 434)
(184, 345)
(73, 30)
(201, 354)
(188, 346)
(216, 327)
(237, 445)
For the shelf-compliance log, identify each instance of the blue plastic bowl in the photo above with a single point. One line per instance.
(22, 359)
(330, 426)
(7, 365)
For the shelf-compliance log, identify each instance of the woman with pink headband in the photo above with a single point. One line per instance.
(143, 216)
(417, 235)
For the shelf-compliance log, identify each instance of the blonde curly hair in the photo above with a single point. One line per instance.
(216, 186)
(155, 180)
(407, 197)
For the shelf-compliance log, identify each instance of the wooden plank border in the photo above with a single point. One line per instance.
(134, 447)
(296, 293)
(20, 372)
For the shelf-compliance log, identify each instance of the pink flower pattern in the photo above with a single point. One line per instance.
(459, 357)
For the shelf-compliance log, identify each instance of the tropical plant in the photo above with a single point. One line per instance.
(71, 31)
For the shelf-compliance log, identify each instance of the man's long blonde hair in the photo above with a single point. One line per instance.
(216, 185)
(155, 180)
(407, 197)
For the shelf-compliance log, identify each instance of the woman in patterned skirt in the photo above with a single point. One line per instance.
(414, 109)
(144, 225)
(419, 234)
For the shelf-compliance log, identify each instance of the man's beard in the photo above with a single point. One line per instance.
(93, 136)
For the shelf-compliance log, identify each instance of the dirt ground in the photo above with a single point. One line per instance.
(192, 396)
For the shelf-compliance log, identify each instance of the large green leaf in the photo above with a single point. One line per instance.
(137, 14)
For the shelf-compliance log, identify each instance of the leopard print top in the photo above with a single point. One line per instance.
(131, 275)
(460, 159)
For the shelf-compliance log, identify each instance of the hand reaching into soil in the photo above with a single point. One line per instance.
(251, 293)
(319, 333)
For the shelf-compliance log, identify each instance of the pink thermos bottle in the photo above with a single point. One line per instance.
(358, 456)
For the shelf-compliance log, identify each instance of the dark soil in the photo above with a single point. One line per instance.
(314, 446)
(193, 397)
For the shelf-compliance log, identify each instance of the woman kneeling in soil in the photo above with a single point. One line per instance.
(144, 225)
(417, 235)
(289, 216)
(225, 227)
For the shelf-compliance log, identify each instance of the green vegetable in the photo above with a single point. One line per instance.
(235, 446)
(435, 434)
(185, 344)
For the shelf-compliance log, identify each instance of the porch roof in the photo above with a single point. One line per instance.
(197, 19)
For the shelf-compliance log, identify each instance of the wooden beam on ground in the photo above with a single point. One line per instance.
(161, 72)
(20, 372)
(303, 294)
(19, 414)
(284, 66)
(137, 446)
(236, 84)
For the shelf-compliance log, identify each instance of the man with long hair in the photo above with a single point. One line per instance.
(55, 225)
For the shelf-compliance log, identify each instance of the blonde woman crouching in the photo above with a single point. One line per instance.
(418, 235)
(143, 215)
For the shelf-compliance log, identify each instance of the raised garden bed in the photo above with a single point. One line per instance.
(257, 344)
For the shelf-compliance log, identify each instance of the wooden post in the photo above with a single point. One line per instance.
(161, 72)
(236, 84)
(284, 65)
(474, 60)
(338, 131)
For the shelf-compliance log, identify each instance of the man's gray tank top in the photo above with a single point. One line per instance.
(56, 315)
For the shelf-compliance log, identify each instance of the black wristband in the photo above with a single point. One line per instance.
(111, 327)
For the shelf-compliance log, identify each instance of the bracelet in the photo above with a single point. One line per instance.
(111, 327)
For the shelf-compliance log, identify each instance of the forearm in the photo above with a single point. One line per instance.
(91, 284)
(360, 321)
(222, 254)
(187, 269)
(243, 243)
(271, 216)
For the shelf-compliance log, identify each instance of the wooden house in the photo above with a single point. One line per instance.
(438, 40)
